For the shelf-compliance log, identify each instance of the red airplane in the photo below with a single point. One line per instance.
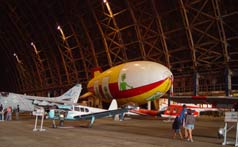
(175, 109)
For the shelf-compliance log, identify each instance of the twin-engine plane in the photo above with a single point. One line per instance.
(79, 112)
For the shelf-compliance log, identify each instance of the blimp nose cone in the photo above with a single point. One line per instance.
(141, 73)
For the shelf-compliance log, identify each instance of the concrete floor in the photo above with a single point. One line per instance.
(136, 132)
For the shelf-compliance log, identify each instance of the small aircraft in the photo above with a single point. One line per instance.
(137, 81)
(214, 100)
(27, 102)
(197, 104)
(175, 109)
(79, 112)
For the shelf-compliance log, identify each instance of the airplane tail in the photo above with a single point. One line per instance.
(72, 94)
(113, 105)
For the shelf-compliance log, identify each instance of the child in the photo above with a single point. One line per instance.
(176, 127)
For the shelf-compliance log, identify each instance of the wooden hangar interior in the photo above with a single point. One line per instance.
(48, 46)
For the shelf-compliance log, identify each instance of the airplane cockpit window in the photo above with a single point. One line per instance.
(81, 109)
(76, 109)
(5, 94)
(86, 110)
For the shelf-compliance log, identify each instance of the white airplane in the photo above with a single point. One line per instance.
(79, 112)
(27, 102)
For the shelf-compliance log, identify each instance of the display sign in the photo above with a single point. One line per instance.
(231, 116)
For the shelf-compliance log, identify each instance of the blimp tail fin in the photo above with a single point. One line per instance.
(96, 71)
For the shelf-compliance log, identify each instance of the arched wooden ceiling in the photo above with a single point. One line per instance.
(53, 44)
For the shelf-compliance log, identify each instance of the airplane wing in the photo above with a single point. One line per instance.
(108, 113)
(48, 101)
(145, 112)
(205, 99)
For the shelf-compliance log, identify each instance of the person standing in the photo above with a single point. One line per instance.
(182, 119)
(189, 124)
(176, 127)
(17, 112)
(9, 113)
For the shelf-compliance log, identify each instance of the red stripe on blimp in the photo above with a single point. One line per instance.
(114, 89)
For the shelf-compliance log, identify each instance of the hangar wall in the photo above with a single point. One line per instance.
(56, 43)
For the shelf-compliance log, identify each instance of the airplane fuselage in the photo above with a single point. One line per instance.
(73, 111)
(175, 109)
